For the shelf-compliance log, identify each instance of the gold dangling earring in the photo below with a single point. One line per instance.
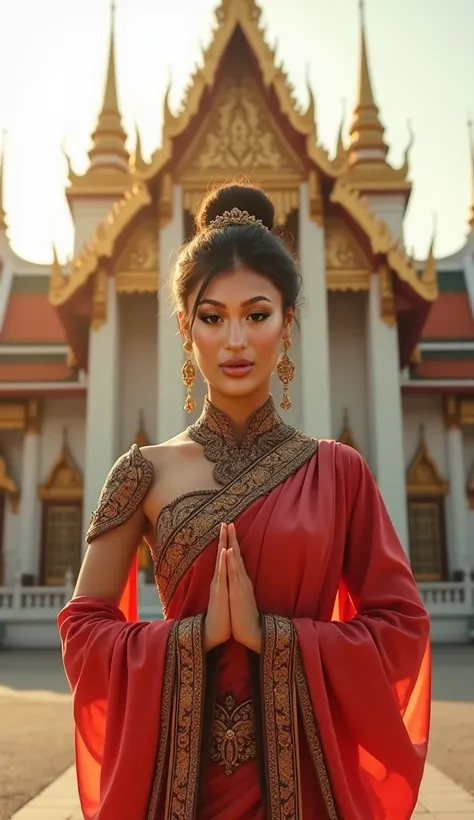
(286, 372)
(188, 375)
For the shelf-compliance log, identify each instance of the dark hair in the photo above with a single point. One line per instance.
(213, 250)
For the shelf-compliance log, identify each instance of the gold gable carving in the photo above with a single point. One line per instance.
(470, 490)
(424, 478)
(8, 486)
(239, 136)
(346, 266)
(64, 482)
(137, 266)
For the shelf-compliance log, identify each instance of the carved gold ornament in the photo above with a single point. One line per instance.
(286, 373)
(424, 478)
(64, 482)
(188, 375)
(8, 486)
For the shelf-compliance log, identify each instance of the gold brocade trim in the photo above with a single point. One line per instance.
(124, 490)
(186, 728)
(280, 718)
(195, 532)
(233, 735)
(312, 737)
(165, 720)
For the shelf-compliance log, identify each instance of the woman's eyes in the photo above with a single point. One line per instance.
(214, 318)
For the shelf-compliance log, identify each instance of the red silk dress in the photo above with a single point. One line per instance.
(330, 721)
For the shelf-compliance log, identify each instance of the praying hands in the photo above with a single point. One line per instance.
(232, 609)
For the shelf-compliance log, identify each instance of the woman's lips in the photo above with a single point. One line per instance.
(237, 369)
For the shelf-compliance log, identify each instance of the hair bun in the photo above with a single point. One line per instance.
(245, 197)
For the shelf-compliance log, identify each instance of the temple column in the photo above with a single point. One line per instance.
(456, 500)
(29, 503)
(314, 320)
(170, 415)
(385, 409)
(102, 392)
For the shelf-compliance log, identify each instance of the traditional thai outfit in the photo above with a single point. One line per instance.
(330, 720)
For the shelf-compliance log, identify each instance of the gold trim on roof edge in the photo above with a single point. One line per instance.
(383, 242)
(245, 14)
(102, 244)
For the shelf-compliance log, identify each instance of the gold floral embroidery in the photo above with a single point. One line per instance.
(312, 737)
(124, 490)
(165, 720)
(186, 728)
(213, 430)
(233, 737)
(201, 525)
(280, 718)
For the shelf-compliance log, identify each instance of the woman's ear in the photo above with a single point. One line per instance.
(183, 325)
(288, 323)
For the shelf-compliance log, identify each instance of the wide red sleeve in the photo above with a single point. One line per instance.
(123, 679)
(368, 675)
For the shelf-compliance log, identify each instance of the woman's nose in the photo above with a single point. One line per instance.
(236, 337)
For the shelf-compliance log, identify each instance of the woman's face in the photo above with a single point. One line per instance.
(238, 332)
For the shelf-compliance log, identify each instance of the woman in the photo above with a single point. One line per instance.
(289, 677)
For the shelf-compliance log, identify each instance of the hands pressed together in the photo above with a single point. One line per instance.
(232, 609)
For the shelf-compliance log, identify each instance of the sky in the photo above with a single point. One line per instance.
(53, 56)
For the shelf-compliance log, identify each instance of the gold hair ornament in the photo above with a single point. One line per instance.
(235, 217)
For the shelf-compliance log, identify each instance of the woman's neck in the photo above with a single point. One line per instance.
(238, 409)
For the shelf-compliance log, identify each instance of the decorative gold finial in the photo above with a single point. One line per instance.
(3, 216)
(341, 156)
(367, 132)
(56, 279)
(429, 274)
(471, 144)
(109, 137)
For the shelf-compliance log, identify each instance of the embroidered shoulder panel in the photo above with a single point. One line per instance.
(124, 490)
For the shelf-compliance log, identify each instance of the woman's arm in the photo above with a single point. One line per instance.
(116, 528)
(108, 560)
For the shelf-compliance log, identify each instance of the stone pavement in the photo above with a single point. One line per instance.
(440, 799)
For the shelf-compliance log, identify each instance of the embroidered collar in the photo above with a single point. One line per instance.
(213, 431)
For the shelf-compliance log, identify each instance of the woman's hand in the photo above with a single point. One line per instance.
(217, 627)
(244, 615)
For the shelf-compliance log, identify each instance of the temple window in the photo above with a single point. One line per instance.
(426, 492)
(62, 496)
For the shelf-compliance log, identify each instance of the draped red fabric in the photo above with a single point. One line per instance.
(323, 555)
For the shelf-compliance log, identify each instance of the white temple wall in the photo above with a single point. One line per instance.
(11, 448)
(138, 366)
(348, 365)
(391, 209)
(468, 441)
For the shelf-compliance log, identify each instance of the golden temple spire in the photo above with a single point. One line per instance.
(3, 216)
(471, 142)
(109, 137)
(367, 132)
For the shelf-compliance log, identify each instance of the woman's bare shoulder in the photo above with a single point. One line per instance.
(169, 452)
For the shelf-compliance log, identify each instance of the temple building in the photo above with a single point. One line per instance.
(90, 357)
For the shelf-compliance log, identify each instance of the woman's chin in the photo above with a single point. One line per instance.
(238, 387)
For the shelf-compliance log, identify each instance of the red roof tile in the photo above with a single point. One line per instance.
(446, 369)
(34, 372)
(31, 318)
(450, 318)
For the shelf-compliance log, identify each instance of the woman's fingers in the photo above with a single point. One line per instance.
(221, 547)
(233, 542)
